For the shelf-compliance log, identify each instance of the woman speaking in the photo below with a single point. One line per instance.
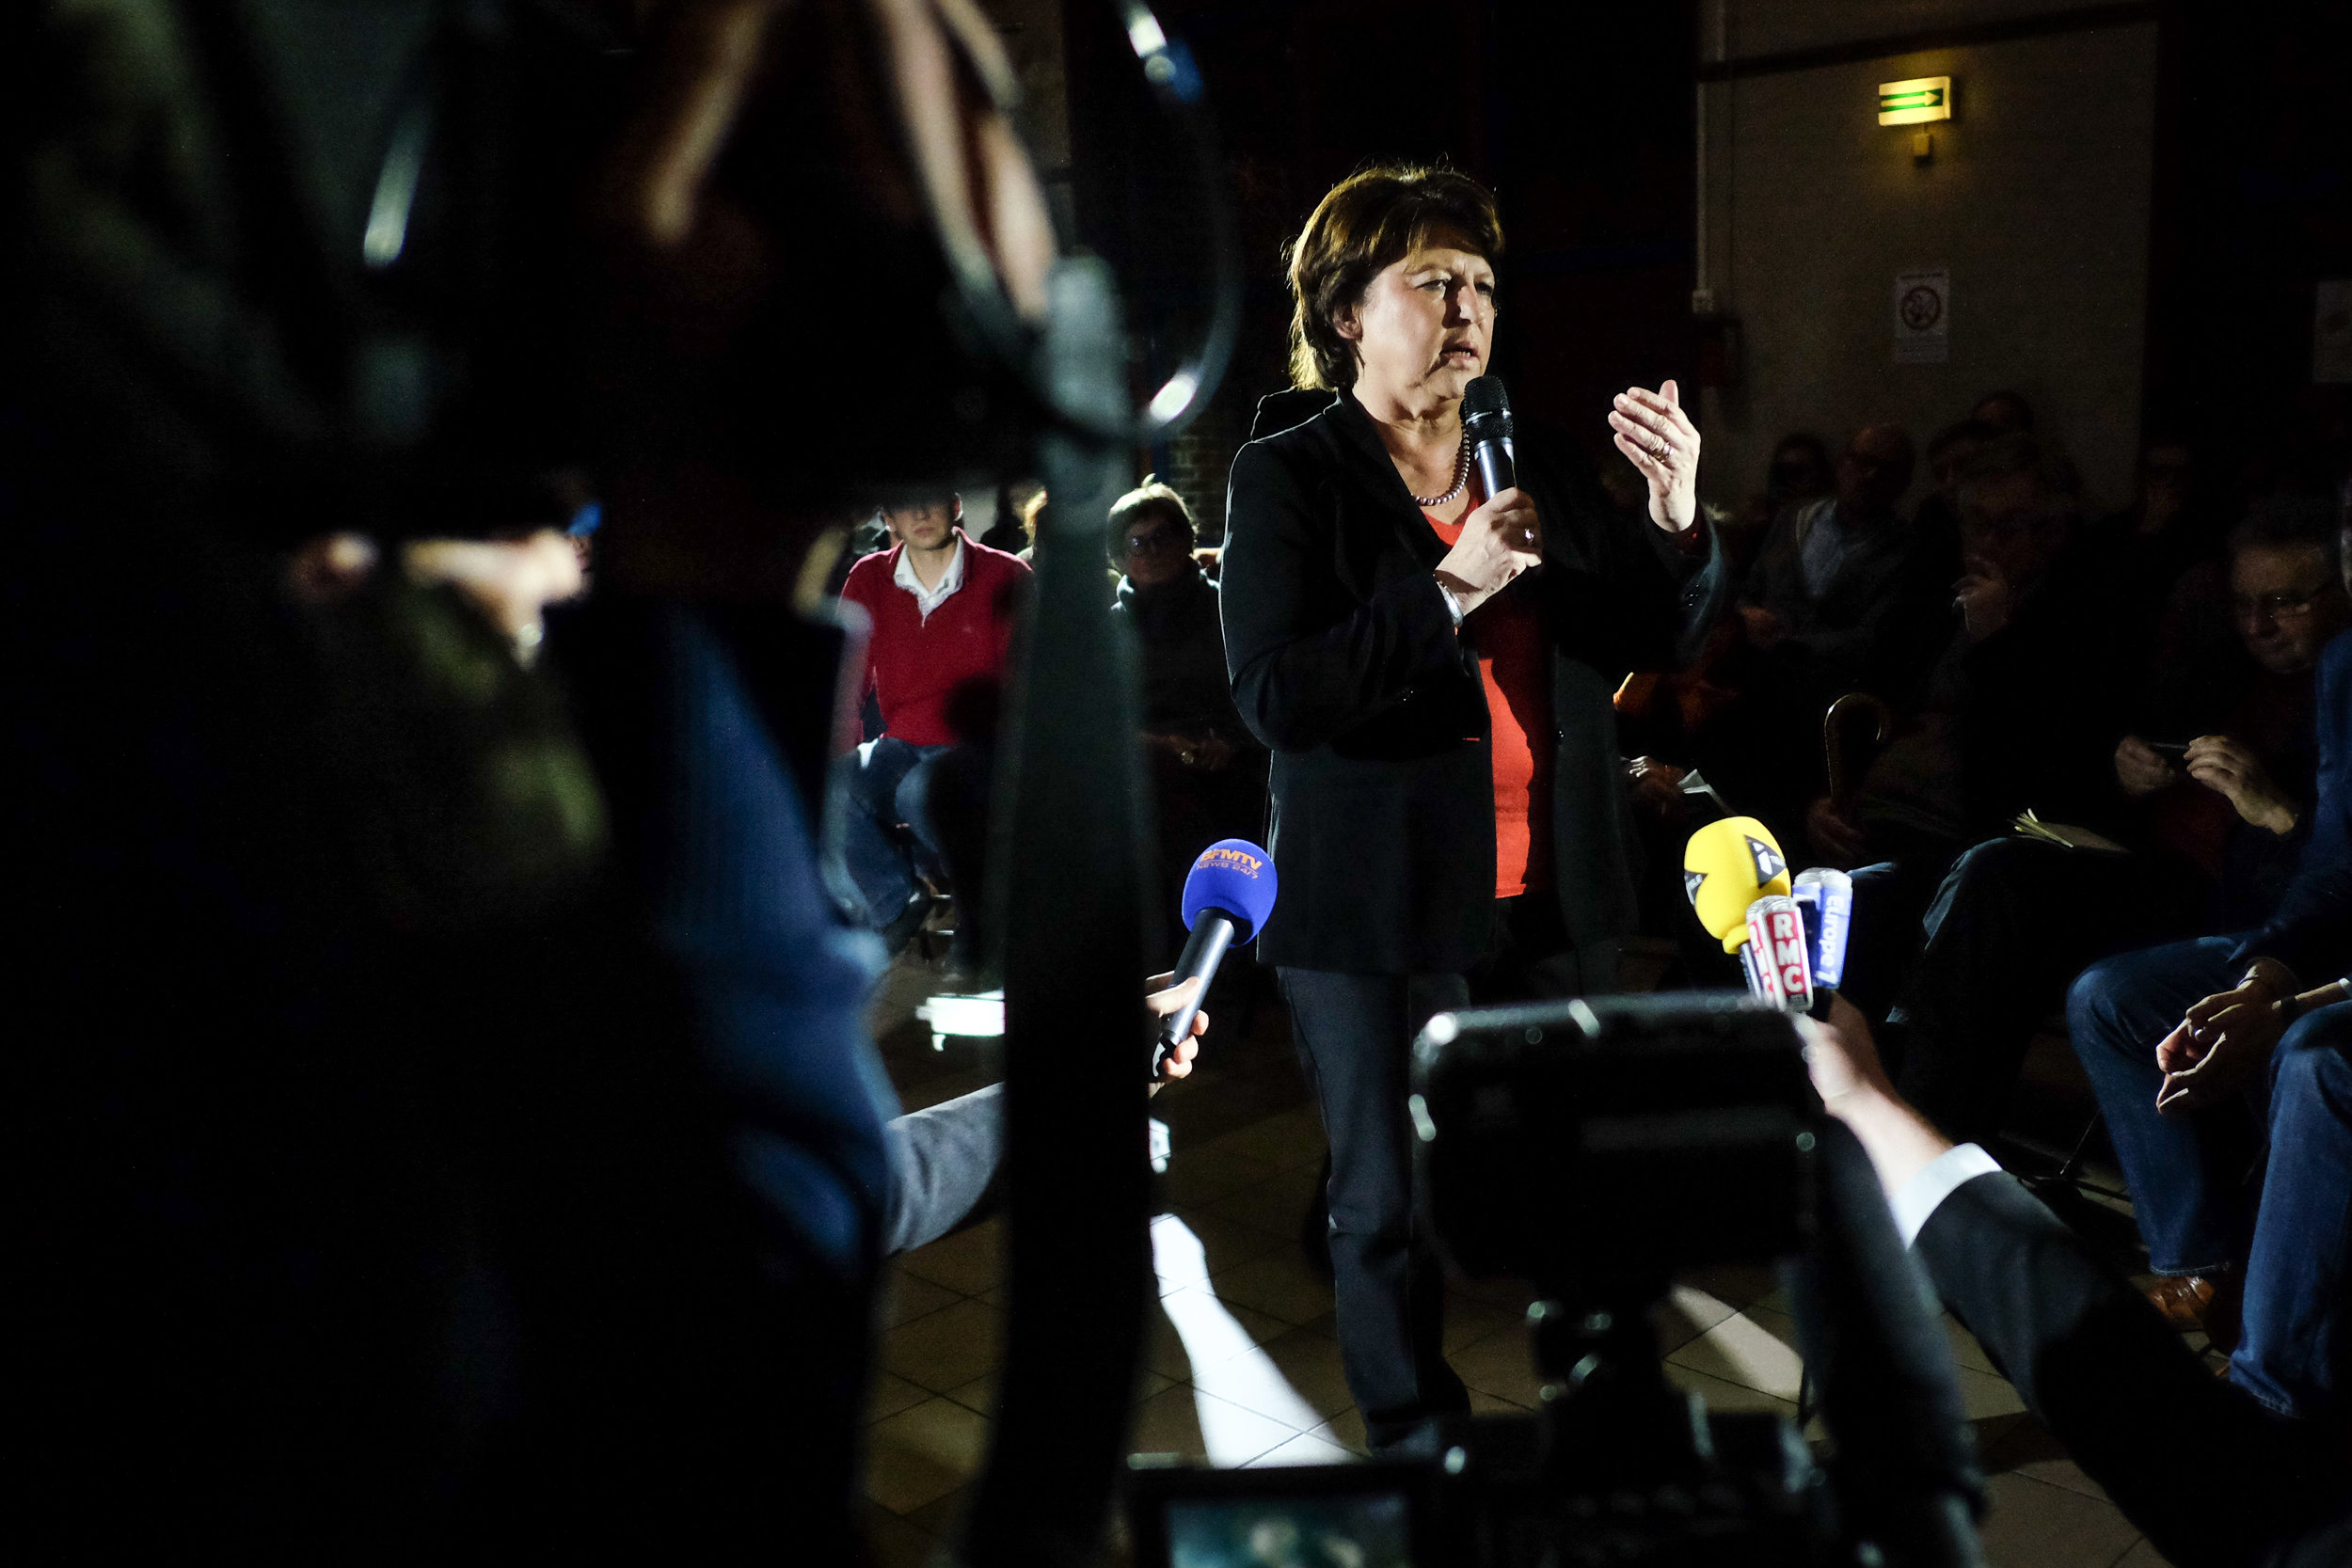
(1432, 668)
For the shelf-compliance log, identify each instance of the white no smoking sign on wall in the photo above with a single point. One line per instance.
(1923, 316)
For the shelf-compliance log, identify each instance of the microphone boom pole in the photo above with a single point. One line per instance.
(1070, 793)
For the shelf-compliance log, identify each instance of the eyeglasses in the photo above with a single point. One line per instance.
(2258, 607)
(1155, 541)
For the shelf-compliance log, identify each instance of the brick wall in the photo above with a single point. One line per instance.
(1198, 459)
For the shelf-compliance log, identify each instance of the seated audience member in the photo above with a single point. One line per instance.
(1209, 771)
(2249, 707)
(1009, 531)
(2005, 413)
(1835, 569)
(1844, 596)
(2196, 660)
(2107, 1376)
(2015, 920)
(1937, 515)
(942, 609)
(2161, 553)
(2201, 1051)
(1800, 471)
(2021, 710)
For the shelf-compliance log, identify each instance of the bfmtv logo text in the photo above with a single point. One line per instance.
(1232, 860)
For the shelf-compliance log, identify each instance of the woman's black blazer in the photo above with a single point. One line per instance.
(1346, 661)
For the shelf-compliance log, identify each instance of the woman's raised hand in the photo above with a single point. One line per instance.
(1659, 439)
(1499, 541)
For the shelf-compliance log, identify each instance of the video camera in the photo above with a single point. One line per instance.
(1597, 1148)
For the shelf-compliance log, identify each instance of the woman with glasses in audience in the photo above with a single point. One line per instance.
(1209, 771)
(1432, 668)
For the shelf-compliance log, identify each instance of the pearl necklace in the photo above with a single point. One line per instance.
(1461, 480)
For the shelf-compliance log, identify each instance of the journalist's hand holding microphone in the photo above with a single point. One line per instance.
(1500, 540)
(1843, 1061)
(1165, 999)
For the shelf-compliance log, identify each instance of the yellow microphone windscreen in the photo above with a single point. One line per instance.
(1727, 866)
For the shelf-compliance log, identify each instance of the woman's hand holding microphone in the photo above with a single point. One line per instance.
(1499, 541)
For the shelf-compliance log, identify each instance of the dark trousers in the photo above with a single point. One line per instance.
(2293, 1232)
(2008, 926)
(1354, 1034)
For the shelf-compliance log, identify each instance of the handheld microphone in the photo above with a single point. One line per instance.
(1826, 898)
(1228, 895)
(1727, 866)
(1486, 422)
(1890, 1394)
(1776, 954)
(1737, 879)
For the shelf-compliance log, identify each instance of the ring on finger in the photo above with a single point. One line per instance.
(1661, 452)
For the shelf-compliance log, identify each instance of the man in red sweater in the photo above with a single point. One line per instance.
(942, 609)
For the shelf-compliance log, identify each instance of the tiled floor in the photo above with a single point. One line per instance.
(1241, 1364)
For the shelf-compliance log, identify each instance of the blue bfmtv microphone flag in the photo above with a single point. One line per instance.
(1228, 895)
(1235, 876)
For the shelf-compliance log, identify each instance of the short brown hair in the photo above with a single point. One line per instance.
(1364, 224)
(1149, 500)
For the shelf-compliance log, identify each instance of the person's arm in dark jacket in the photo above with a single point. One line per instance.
(2213, 1479)
(2311, 930)
(2192, 1460)
(1696, 577)
(1302, 673)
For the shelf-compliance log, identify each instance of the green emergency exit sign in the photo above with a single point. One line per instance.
(1915, 102)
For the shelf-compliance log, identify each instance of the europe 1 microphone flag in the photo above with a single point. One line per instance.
(1826, 899)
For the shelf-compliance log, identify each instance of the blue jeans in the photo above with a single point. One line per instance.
(889, 784)
(940, 794)
(2293, 1233)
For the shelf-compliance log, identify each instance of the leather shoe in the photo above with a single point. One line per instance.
(2208, 1303)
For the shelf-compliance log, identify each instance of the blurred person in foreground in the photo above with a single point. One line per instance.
(454, 1129)
(1208, 770)
(2214, 834)
(1432, 668)
(2215, 1480)
(941, 610)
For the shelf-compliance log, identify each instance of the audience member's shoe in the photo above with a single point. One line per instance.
(2208, 1302)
